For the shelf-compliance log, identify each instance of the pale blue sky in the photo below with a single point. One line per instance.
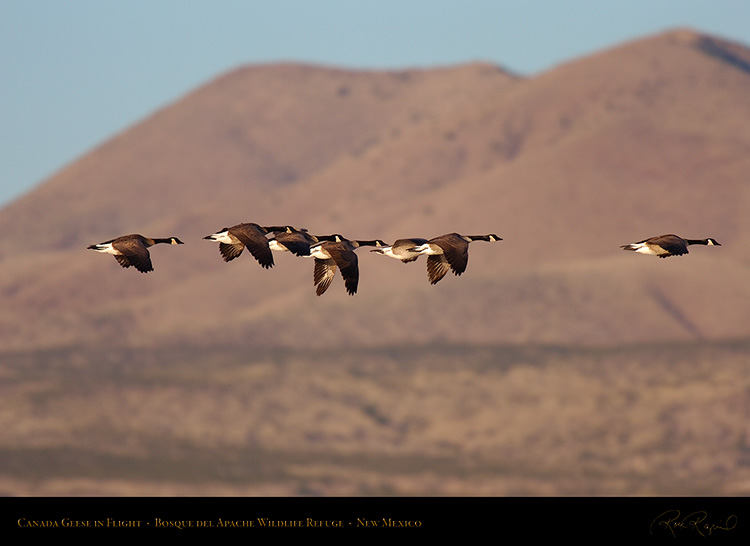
(77, 72)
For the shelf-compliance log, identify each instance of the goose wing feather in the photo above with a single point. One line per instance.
(437, 267)
(349, 266)
(323, 273)
(256, 242)
(133, 252)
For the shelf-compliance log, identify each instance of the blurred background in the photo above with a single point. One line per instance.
(557, 364)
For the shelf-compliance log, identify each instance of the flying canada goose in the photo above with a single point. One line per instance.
(232, 241)
(449, 252)
(338, 252)
(132, 250)
(402, 249)
(296, 241)
(665, 246)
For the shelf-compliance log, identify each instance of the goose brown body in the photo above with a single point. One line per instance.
(338, 253)
(402, 249)
(296, 241)
(449, 252)
(232, 241)
(132, 250)
(668, 245)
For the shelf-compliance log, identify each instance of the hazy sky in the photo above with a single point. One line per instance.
(76, 72)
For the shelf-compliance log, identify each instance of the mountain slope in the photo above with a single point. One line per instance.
(566, 166)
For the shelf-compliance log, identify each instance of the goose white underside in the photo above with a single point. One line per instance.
(388, 251)
(643, 248)
(429, 250)
(318, 252)
(107, 249)
(223, 237)
(273, 244)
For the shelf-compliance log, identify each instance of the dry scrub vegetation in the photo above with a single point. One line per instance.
(453, 420)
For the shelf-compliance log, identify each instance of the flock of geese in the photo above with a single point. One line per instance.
(449, 252)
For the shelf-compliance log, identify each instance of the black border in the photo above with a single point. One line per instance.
(600, 519)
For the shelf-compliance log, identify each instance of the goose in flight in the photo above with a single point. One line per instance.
(232, 241)
(132, 250)
(338, 253)
(296, 241)
(665, 246)
(402, 249)
(449, 252)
